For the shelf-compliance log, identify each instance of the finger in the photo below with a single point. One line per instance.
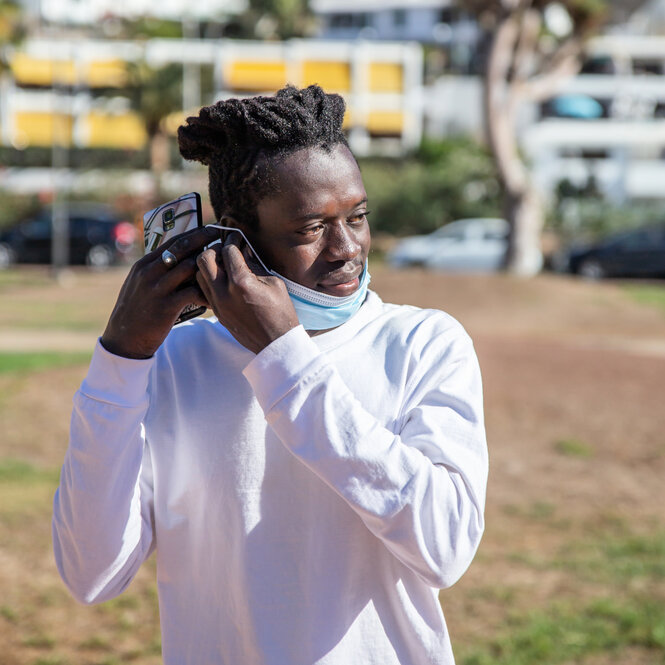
(192, 242)
(191, 295)
(185, 244)
(252, 263)
(210, 265)
(204, 285)
(252, 260)
(212, 284)
(175, 276)
(234, 238)
(234, 263)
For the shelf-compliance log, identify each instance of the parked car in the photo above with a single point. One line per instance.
(636, 253)
(469, 245)
(97, 237)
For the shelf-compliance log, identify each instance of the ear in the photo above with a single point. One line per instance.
(229, 220)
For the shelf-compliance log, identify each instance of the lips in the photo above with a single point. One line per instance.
(341, 285)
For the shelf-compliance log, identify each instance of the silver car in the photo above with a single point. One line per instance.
(466, 245)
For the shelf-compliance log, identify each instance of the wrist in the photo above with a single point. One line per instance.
(121, 351)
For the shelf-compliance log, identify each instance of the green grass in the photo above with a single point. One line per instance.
(26, 494)
(40, 641)
(567, 633)
(12, 278)
(55, 315)
(624, 577)
(617, 559)
(647, 294)
(8, 613)
(21, 362)
(573, 448)
(95, 643)
(19, 471)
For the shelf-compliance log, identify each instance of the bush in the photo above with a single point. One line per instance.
(442, 181)
(582, 214)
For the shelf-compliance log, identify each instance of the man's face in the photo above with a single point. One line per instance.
(314, 229)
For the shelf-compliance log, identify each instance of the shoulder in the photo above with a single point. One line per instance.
(417, 326)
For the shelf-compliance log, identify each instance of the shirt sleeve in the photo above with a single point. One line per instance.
(102, 511)
(420, 490)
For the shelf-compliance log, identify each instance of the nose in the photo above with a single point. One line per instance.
(341, 242)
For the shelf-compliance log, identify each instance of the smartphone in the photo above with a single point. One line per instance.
(167, 220)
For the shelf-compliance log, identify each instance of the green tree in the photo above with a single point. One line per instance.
(443, 181)
(279, 19)
(535, 45)
(12, 27)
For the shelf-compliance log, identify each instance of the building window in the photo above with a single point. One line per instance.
(646, 66)
(341, 20)
(399, 18)
(348, 20)
(448, 15)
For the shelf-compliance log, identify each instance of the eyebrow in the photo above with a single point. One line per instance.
(318, 215)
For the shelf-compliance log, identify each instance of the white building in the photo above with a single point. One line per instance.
(649, 19)
(89, 12)
(425, 21)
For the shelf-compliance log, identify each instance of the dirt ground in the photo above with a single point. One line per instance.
(562, 360)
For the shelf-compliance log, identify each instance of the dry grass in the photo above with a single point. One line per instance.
(573, 380)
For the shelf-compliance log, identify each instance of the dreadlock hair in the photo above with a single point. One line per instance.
(241, 139)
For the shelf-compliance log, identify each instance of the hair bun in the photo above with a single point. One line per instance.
(202, 138)
(230, 137)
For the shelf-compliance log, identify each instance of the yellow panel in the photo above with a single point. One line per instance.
(38, 71)
(116, 131)
(329, 75)
(107, 74)
(174, 120)
(385, 122)
(255, 75)
(38, 129)
(386, 77)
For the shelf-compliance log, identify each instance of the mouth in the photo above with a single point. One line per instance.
(342, 285)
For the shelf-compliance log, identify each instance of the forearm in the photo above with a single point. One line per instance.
(101, 521)
(427, 510)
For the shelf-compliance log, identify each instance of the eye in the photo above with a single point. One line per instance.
(359, 217)
(310, 231)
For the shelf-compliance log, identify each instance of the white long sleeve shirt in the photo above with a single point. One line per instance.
(305, 503)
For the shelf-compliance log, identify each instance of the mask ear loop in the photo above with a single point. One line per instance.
(249, 244)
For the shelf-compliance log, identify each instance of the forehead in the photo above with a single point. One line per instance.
(313, 177)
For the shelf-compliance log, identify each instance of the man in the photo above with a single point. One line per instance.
(310, 465)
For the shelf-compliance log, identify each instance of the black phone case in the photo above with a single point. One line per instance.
(161, 223)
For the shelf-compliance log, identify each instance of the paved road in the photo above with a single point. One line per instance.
(46, 340)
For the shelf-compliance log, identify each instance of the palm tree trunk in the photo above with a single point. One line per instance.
(159, 160)
(523, 208)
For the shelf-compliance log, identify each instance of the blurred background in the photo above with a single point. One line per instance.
(514, 158)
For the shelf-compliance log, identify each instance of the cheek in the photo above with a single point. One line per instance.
(365, 239)
(295, 262)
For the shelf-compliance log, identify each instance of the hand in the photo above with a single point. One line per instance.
(153, 296)
(252, 305)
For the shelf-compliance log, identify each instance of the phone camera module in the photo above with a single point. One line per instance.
(168, 219)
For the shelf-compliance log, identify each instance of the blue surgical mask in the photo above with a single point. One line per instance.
(316, 310)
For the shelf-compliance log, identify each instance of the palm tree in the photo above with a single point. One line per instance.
(158, 93)
(12, 27)
(535, 44)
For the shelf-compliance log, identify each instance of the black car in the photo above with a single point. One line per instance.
(97, 237)
(636, 253)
